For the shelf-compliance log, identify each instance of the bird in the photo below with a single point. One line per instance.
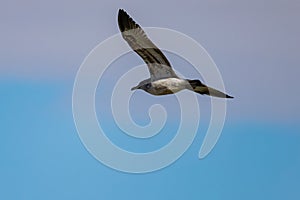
(163, 80)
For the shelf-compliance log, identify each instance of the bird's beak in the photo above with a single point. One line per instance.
(134, 88)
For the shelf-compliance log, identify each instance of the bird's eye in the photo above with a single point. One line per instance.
(148, 85)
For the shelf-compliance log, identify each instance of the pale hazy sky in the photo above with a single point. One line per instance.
(255, 44)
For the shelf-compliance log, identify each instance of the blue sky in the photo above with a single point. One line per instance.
(255, 45)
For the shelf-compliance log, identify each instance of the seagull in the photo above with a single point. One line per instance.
(163, 80)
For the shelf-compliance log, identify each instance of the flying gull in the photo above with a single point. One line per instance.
(163, 80)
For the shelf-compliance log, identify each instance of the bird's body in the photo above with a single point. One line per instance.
(166, 86)
(163, 80)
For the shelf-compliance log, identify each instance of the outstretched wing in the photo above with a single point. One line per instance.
(157, 63)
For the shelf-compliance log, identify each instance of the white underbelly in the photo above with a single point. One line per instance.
(172, 84)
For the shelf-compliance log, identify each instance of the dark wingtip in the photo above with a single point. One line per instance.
(121, 12)
(122, 15)
(125, 21)
(229, 97)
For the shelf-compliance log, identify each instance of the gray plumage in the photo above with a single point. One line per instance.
(163, 80)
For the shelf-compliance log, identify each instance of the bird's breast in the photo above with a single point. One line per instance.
(168, 86)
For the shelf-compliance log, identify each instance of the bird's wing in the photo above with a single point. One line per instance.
(157, 63)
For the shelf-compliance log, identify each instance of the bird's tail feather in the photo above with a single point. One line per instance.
(200, 88)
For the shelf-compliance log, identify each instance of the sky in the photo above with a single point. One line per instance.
(255, 45)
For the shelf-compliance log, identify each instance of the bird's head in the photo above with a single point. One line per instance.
(145, 87)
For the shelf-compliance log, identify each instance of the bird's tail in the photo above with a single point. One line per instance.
(200, 88)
